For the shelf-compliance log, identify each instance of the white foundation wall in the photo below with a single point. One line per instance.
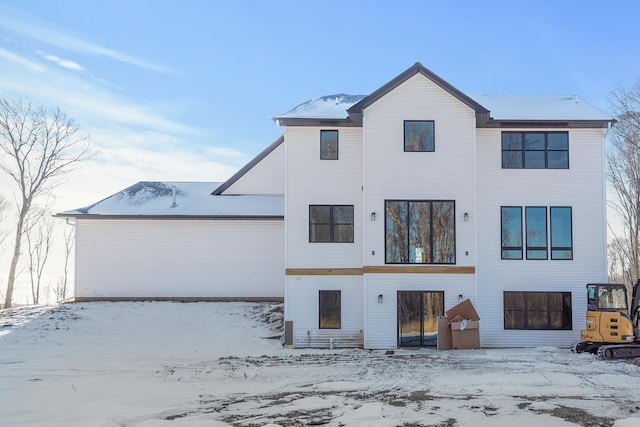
(302, 307)
(311, 181)
(582, 188)
(381, 319)
(123, 258)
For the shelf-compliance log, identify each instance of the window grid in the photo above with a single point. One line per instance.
(537, 310)
(420, 232)
(535, 150)
(331, 223)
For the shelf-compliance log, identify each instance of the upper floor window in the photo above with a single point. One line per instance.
(419, 135)
(511, 218)
(328, 145)
(331, 223)
(536, 231)
(420, 232)
(535, 150)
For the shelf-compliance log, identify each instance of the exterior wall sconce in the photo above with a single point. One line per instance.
(460, 298)
(380, 299)
(466, 216)
(373, 216)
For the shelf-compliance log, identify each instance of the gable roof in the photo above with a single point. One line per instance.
(355, 112)
(154, 199)
(246, 168)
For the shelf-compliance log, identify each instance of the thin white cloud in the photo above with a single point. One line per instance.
(65, 63)
(20, 60)
(21, 24)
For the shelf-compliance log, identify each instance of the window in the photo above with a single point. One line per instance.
(535, 150)
(419, 135)
(511, 218)
(329, 309)
(329, 145)
(561, 233)
(419, 232)
(331, 224)
(537, 310)
(559, 229)
(536, 220)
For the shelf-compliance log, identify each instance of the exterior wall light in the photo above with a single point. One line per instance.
(373, 216)
(466, 216)
(380, 299)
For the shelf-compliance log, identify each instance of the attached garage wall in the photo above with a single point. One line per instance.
(162, 258)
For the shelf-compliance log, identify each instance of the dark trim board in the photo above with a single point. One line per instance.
(176, 299)
(381, 269)
(177, 217)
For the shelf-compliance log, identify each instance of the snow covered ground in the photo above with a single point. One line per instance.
(222, 364)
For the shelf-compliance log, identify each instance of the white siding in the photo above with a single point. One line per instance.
(581, 187)
(391, 173)
(445, 174)
(179, 258)
(381, 318)
(302, 306)
(311, 181)
(266, 177)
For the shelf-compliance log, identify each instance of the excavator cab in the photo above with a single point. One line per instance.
(608, 321)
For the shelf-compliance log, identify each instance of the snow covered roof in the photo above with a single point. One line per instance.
(324, 107)
(192, 199)
(491, 111)
(540, 107)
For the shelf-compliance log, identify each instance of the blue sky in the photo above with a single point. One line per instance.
(184, 90)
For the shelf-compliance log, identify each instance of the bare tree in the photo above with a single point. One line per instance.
(623, 174)
(3, 209)
(37, 147)
(39, 240)
(60, 289)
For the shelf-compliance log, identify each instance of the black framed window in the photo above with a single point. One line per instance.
(535, 150)
(420, 232)
(329, 309)
(536, 223)
(537, 310)
(419, 135)
(511, 219)
(561, 232)
(329, 145)
(331, 223)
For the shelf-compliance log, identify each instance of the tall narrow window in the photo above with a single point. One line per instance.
(419, 232)
(329, 145)
(561, 233)
(329, 309)
(419, 135)
(331, 223)
(536, 220)
(511, 218)
(537, 310)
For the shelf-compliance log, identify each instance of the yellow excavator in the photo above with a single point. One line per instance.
(613, 330)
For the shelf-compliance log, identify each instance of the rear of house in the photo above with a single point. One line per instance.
(374, 215)
(405, 202)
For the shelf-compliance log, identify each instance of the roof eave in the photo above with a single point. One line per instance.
(359, 107)
(246, 168)
(299, 121)
(175, 217)
(571, 124)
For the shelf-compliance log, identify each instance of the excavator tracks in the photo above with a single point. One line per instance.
(619, 351)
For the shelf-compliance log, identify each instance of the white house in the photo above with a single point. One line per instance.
(375, 214)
